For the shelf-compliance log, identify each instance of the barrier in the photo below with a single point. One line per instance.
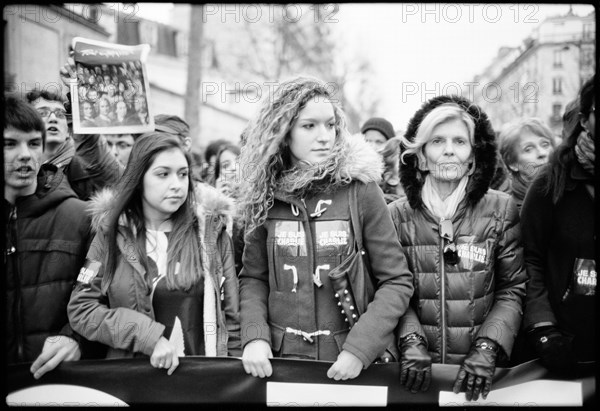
(223, 381)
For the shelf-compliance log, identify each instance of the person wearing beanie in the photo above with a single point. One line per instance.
(380, 134)
(377, 132)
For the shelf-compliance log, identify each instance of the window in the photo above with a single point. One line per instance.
(558, 58)
(557, 85)
(588, 32)
(556, 111)
(587, 58)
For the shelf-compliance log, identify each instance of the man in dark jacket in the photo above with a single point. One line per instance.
(85, 159)
(47, 236)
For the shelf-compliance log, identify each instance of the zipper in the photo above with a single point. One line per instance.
(17, 272)
(443, 297)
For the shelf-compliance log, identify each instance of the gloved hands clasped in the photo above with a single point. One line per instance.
(415, 363)
(555, 349)
(477, 370)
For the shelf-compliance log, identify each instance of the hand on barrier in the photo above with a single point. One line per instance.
(255, 358)
(415, 364)
(346, 367)
(57, 348)
(477, 370)
(165, 356)
(555, 350)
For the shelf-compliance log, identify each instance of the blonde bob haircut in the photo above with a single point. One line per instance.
(439, 115)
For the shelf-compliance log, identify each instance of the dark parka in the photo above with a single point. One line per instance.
(47, 235)
(481, 296)
(556, 237)
(311, 234)
(120, 314)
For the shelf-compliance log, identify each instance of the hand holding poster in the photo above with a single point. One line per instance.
(111, 92)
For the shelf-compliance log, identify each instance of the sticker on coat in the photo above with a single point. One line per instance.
(472, 254)
(290, 239)
(89, 270)
(585, 277)
(333, 237)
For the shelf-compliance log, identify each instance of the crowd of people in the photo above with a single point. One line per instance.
(111, 95)
(302, 241)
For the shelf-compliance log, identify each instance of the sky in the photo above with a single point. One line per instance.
(418, 50)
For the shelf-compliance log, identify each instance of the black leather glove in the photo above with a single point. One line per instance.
(415, 364)
(555, 349)
(477, 370)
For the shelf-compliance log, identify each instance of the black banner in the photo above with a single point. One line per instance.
(223, 381)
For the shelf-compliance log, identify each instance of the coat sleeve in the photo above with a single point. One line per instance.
(254, 288)
(537, 222)
(503, 322)
(230, 290)
(102, 166)
(90, 314)
(374, 330)
(409, 322)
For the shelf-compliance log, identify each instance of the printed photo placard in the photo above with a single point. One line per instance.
(111, 93)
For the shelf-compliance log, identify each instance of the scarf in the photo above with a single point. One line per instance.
(519, 185)
(444, 209)
(584, 150)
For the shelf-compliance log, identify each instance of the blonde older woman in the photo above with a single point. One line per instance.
(525, 147)
(462, 243)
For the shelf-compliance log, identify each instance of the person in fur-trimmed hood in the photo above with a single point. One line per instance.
(309, 210)
(462, 242)
(159, 277)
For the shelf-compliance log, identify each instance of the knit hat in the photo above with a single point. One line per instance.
(379, 124)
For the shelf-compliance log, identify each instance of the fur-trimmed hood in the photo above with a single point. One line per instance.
(485, 151)
(357, 161)
(210, 202)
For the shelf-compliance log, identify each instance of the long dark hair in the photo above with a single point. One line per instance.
(184, 242)
(563, 157)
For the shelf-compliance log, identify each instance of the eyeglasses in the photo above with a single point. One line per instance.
(59, 112)
(447, 233)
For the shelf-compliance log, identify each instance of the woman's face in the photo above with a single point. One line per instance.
(121, 109)
(165, 185)
(104, 107)
(531, 152)
(228, 164)
(448, 152)
(88, 111)
(313, 134)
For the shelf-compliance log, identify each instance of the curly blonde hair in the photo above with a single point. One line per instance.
(265, 158)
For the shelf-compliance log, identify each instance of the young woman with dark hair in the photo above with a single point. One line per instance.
(159, 278)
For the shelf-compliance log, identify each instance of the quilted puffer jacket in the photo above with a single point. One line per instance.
(481, 295)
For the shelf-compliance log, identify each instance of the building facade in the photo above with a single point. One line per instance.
(542, 76)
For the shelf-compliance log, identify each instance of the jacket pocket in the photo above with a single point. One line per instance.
(277, 334)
